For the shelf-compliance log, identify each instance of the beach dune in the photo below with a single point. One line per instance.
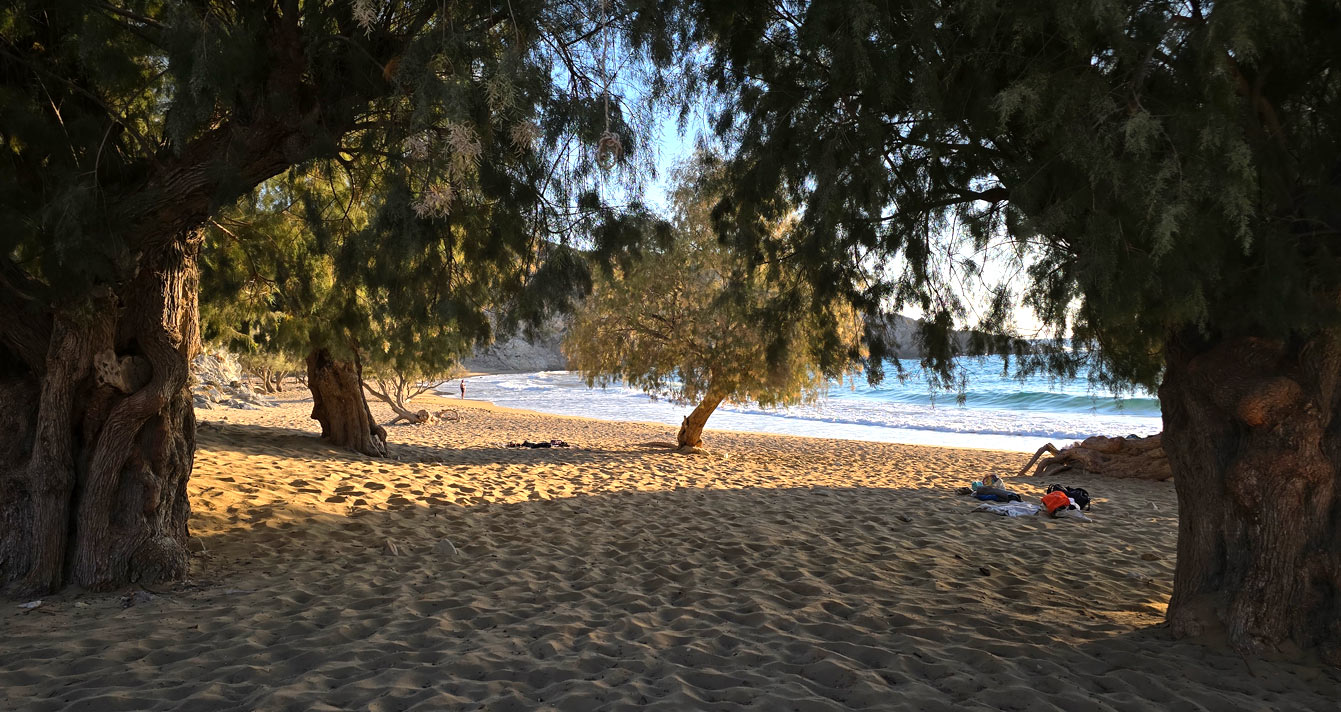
(789, 574)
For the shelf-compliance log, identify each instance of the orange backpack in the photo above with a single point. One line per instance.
(1054, 501)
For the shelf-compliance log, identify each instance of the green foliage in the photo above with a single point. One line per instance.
(304, 266)
(685, 320)
(445, 210)
(1152, 168)
(129, 123)
(270, 368)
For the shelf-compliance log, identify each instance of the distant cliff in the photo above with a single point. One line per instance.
(901, 336)
(517, 355)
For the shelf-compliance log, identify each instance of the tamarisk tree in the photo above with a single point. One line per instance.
(1170, 169)
(688, 320)
(126, 126)
(312, 266)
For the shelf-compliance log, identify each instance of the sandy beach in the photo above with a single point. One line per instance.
(788, 574)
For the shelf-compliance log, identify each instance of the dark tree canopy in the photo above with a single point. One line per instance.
(128, 125)
(1164, 165)
(1169, 173)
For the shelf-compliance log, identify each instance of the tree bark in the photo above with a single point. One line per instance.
(1252, 433)
(691, 428)
(339, 405)
(267, 380)
(100, 433)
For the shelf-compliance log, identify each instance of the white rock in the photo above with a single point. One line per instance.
(30, 605)
(1138, 576)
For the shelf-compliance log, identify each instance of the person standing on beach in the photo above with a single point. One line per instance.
(463, 389)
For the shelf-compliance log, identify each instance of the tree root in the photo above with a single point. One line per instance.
(1128, 458)
(418, 417)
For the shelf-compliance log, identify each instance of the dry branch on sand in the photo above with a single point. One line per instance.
(1135, 458)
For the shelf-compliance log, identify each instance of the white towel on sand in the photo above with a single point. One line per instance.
(1009, 509)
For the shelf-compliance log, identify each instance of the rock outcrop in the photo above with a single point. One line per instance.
(217, 381)
(520, 355)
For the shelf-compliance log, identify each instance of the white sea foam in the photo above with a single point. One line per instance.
(889, 413)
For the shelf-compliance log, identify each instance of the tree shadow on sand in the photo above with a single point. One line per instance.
(807, 598)
(274, 440)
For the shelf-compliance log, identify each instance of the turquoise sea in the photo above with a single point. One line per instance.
(999, 411)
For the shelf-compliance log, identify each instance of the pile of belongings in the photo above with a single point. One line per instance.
(528, 443)
(1059, 502)
(993, 490)
(1067, 502)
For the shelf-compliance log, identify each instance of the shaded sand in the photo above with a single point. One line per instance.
(796, 574)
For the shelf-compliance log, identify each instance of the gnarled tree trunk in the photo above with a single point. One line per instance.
(339, 405)
(98, 430)
(691, 428)
(1252, 433)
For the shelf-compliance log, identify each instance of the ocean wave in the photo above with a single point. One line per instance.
(1044, 401)
(964, 420)
(1017, 421)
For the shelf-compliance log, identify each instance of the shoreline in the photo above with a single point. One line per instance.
(494, 407)
(743, 418)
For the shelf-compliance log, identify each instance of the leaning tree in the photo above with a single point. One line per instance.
(1170, 172)
(695, 321)
(126, 126)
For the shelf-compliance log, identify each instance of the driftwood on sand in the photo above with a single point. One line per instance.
(1134, 458)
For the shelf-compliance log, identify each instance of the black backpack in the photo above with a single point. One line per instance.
(1078, 494)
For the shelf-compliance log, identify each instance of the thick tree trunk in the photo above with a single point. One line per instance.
(99, 433)
(1252, 433)
(691, 428)
(267, 380)
(339, 405)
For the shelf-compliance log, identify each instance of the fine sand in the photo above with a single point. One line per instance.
(794, 574)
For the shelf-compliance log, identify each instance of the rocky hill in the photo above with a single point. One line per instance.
(518, 355)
